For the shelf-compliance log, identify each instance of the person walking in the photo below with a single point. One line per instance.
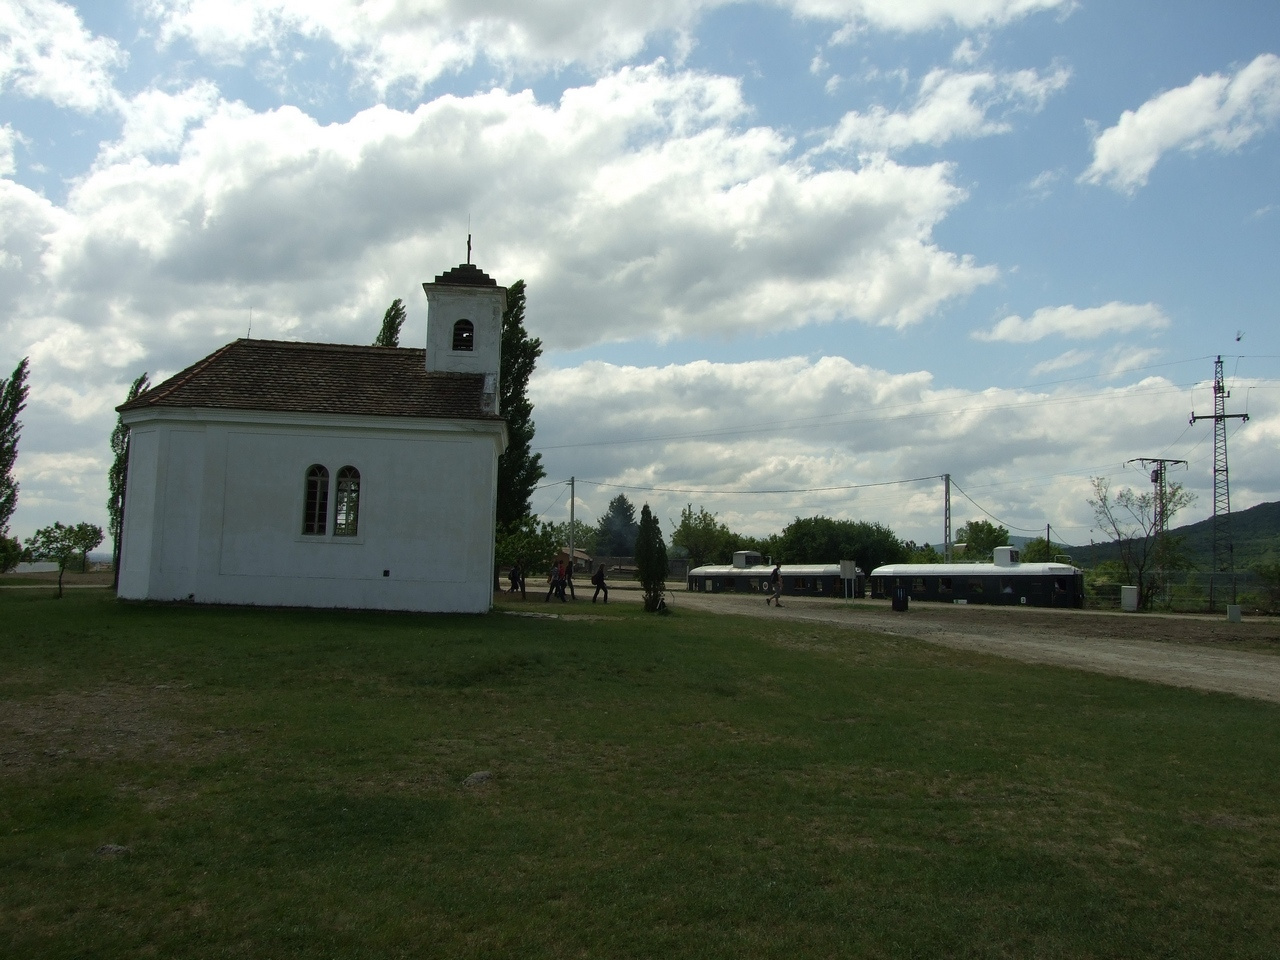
(555, 579)
(568, 580)
(598, 579)
(775, 579)
(514, 577)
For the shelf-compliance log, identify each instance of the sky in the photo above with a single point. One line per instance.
(786, 258)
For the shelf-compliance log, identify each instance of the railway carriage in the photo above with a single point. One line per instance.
(749, 573)
(1005, 581)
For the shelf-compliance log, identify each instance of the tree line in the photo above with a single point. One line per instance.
(1134, 520)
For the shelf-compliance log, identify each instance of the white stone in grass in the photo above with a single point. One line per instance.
(478, 779)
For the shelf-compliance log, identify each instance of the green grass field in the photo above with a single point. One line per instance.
(194, 782)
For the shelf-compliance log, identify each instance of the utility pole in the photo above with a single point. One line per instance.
(571, 499)
(1160, 517)
(946, 518)
(1223, 550)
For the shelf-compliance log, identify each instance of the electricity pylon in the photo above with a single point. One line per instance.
(1223, 557)
(1160, 514)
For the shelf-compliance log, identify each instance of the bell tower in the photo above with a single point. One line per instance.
(464, 326)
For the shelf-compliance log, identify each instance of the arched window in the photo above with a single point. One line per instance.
(464, 335)
(315, 517)
(346, 505)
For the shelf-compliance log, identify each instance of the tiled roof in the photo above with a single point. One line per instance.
(281, 376)
(466, 275)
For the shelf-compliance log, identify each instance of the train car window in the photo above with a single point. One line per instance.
(1006, 586)
(944, 584)
(975, 585)
(917, 585)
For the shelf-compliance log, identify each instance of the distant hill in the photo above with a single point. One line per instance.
(1255, 534)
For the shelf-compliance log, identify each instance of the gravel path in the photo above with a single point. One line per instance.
(1201, 652)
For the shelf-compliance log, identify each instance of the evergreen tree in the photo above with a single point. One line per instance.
(519, 470)
(392, 321)
(617, 529)
(651, 560)
(118, 477)
(13, 400)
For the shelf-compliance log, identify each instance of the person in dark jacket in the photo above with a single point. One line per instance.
(598, 579)
(775, 579)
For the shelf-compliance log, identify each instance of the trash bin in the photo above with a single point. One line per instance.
(899, 598)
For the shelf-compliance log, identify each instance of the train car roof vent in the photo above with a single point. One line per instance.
(1006, 556)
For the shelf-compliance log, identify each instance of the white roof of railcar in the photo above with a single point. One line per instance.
(974, 570)
(788, 570)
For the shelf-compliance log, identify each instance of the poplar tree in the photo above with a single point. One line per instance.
(118, 476)
(519, 469)
(13, 400)
(392, 321)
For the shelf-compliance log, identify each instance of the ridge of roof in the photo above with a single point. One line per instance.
(291, 376)
(162, 390)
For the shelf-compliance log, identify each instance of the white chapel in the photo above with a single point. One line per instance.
(325, 475)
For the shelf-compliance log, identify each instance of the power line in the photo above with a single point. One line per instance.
(740, 492)
(1003, 523)
(859, 416)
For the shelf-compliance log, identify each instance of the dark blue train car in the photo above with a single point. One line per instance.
(1006, 581)
(749, 573)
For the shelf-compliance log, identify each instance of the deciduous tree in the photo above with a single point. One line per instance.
(1040, 550)
(531, 545)
(519, 469)
(824, 540)
(981, 537)
(703, 537)
(87, 536)
(118, 476)
(1130, 520)
(392, 321)
(13, 400)
(62, 545)
(584, 536)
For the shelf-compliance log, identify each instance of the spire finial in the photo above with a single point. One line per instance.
(468, 248)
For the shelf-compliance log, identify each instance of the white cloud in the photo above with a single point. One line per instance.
(1077, 323)
(916, 15)
(950, 106)
(1216, 112)
(7, 163)
(1065, 361)
(416, 41)
(640, 198)
(46, 53)
(717, 433)
(156, 122)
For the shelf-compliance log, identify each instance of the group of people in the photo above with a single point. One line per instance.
(560, 581)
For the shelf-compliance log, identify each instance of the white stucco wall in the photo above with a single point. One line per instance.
(448, 304)
(215, 503)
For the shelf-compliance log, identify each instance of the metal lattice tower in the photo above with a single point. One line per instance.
(946, 518)
(1160, 517)
(1160, 513)
(1223, 559)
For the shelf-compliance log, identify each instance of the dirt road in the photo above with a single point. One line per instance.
(1202, 652)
